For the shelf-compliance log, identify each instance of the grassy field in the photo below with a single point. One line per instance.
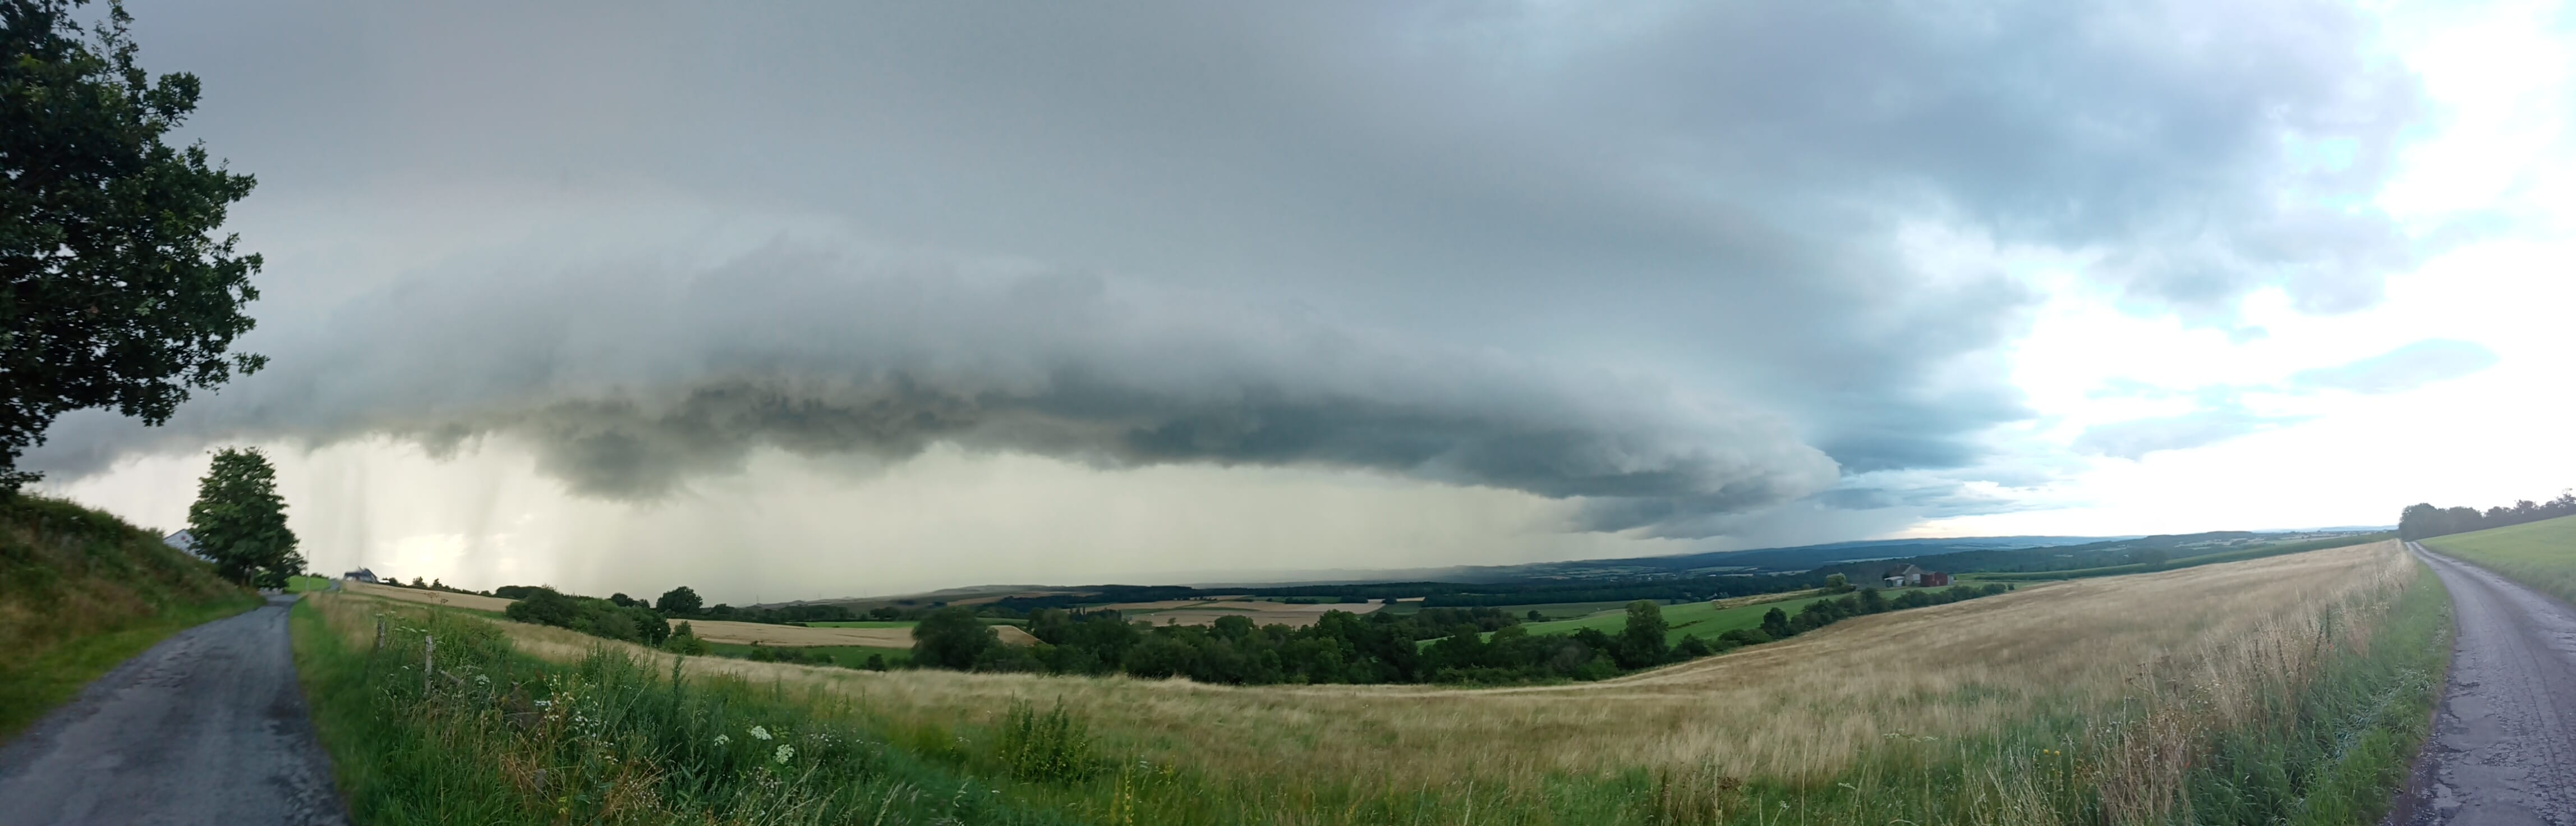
(2290, 689)
(2539, 554)
(307, 584)
(1705, 619)
(81, 591)
(845, 656)
(2238, 555)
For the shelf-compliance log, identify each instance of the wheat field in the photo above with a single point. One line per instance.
(2170, 656)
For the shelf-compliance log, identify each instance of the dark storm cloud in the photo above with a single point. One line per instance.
(2405, 368)
(1732, 197)
(2136, 438)
(630, 382)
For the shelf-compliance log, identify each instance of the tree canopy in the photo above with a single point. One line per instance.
(239, 521)
(117, 292)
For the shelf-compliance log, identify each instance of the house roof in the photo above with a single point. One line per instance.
(1908, 570)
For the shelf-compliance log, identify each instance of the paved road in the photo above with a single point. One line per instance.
(2503, 751)
(207, 727)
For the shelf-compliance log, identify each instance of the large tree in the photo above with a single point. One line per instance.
(118, 293)
(239, 521)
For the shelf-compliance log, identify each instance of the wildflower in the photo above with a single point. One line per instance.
(759, 733)
(721, 739)
(785, 751)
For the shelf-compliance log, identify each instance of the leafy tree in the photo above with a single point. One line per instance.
(684, 640)
(679, 601)
(952, 638)
(117, 293)
(239, 521)
(1775, 623)
(1641, 641)
(1837, 583)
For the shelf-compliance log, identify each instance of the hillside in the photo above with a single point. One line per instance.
(2539, 554)
(80, 591)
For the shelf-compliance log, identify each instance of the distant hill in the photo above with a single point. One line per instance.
(1761, 560)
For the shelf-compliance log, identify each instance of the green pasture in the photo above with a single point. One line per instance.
(2539, 554)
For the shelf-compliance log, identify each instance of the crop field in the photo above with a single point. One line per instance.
(2297, 683)
(470, 602)
(895, 635)
(1704, 619)
(1261, 612)
(2540, 554)
(845, 656)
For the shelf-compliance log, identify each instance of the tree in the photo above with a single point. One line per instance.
(1837, 583)
(679, 601)
(117, 293)
(1641, 641)
(952, 638)
(1775, 623)
(239, 521)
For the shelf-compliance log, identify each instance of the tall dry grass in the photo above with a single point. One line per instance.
(2117, 680)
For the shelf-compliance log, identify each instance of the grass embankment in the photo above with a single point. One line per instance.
(2539, 554)
(2281, 690)
(2238, 555)
(81, 591)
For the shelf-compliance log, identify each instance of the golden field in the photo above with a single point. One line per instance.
(2171, 655)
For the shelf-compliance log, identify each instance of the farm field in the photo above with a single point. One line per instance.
(2539, 554)
(897, 635)
(1206, 612)
(2076, 702)
(2232, 555)
(1704, 619)
(470, 602)
(304, 584)
(845, 656)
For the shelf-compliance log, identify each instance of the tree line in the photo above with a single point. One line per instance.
(2423, 520)
(1481, 645)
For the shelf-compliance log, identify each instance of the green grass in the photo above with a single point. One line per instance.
(863, 624)
(1701, 618)
(304, 584)
(845, 656)
(2539, 554)
(2238, 555)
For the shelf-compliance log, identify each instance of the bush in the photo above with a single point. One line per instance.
(952, 638)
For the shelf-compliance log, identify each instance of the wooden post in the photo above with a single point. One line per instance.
(380, 639)
(428, 666)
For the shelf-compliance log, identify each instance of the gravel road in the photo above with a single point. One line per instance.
(207, 727)
(2503, 750)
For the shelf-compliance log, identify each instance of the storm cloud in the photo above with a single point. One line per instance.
(1680, 261)
(630, 382)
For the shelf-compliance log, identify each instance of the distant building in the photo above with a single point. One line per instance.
(186, 543)
(1913, 577)
(1935, 579)
(360, 575)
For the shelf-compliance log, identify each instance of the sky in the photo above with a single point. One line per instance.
(824, 299)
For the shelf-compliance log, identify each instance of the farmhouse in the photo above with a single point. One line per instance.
(184, 541)
(360, 575)
(1911, 577)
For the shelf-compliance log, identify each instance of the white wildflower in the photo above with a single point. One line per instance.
(785, 751)
(760, 733)
(721, 739)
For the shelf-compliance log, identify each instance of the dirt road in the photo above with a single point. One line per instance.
(2504, 746)
(207, 727)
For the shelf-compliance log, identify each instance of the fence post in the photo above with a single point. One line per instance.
(428, 647)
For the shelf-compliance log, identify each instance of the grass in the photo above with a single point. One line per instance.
(864, 624)
(845, 656)
(81, 591)
(307, 584)
(1705, 619)
(2539, 554)
(2288, 689)
(2238, 555)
